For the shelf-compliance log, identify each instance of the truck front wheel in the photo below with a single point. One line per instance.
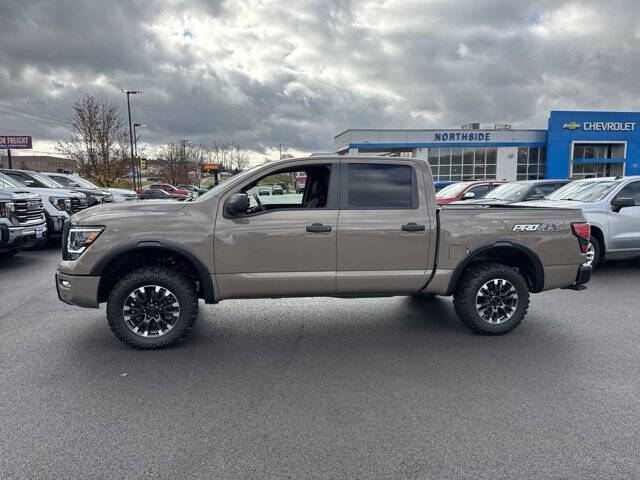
(491, 298)
(152, 307)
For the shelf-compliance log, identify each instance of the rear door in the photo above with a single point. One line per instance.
(624, 226)
(383, 227)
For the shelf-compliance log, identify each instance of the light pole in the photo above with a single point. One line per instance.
(135, 147)
(133, 165)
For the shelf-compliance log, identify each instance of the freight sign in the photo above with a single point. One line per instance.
(15, 141)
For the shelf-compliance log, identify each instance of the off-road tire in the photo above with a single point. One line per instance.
(464, 298)
(179, 285)
(597, 250)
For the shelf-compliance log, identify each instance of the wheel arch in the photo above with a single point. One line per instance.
(507, 253)
(127, 257)
(597, 232)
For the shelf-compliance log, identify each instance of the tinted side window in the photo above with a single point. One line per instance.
(632, 190)
(377, 185)
(481, 190)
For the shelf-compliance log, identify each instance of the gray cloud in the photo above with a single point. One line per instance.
(297, 73)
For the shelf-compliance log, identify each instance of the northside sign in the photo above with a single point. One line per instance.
(462, 137)
(15, 141)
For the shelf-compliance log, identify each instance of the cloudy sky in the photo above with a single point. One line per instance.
(299, 72)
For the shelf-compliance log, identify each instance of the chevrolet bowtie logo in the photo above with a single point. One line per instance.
(571, 125)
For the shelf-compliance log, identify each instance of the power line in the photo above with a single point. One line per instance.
(26, 112)
(37, 120)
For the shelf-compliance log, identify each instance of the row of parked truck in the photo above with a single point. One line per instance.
(34, 206)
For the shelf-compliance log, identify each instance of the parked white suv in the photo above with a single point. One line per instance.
(612, 208)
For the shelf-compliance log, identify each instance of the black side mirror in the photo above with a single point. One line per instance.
(622, 202)
(237, 204)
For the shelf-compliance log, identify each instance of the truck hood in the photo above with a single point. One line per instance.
(51, 192)
(119, 191)
(482, 201)
(8, 194)
(553, 203)
(112, 211)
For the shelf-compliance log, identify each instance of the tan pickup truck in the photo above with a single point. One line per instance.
(361, 226)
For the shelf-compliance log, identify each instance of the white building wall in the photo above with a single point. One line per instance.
(506, 163)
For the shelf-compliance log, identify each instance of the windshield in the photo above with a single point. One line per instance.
(452, 190)
(83, 182)
(583, 191)
(509, 192)
(42, 181)
(231, 181)
(6, 182)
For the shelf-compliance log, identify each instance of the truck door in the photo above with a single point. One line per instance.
(384, 227)
(624, 226)
(286, 246)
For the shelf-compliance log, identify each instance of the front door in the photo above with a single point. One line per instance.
(383, 229)
(286, 244)
(624, 226)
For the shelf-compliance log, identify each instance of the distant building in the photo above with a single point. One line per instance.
(39, 163)
(575, 145)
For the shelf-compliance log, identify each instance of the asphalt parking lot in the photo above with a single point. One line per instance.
(322, 388)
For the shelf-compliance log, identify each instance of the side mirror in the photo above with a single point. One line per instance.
(468, 196)
(237, 204)
(622, 202)
(74, 185)
(535, 197)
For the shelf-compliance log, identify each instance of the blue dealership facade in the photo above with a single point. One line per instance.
(576, 144)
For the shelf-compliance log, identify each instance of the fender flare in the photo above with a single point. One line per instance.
(203, 271)
(538, 284)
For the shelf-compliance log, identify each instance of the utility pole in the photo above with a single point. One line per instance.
(135, 145)
(9, 158)
(280, 147)
(184, 151)
(133, 165)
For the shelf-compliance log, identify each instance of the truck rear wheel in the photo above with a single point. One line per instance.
(491, 298)
(152, 307)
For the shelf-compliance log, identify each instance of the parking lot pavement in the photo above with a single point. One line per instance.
(322, 388)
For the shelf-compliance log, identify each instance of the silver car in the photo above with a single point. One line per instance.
(612, 208)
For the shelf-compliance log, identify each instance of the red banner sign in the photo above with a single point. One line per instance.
(15, 141)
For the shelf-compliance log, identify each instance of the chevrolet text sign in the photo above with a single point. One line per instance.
(610, 126)
(15, 141)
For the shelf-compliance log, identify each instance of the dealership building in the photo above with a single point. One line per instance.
(576, 144)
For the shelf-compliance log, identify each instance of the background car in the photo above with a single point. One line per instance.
(612, 208)
(521, 191)
(192, 188)
(167, 187)
(159, 194)
(440, 184)
(277, 190)
(122, 194)
(81, 185)
(263, 191)
(466, 190)
(58, 203)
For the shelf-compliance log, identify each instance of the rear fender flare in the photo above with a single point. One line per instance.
(537, 283)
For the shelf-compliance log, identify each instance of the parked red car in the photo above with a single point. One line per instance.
(167, 187)
(466, 190)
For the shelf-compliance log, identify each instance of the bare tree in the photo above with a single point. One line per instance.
(174, 166)
(98, 140)
(230, 155)
(197, 155)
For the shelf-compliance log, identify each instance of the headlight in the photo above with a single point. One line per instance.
(63, 204)
(80, 238)
(6, 209)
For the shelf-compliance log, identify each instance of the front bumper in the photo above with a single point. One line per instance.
(22, 237)
(80, 290)
(582, 278)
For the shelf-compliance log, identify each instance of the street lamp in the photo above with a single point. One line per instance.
(135, 147)
(133, 165)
